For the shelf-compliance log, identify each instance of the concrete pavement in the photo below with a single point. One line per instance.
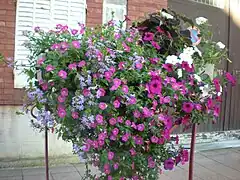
(223, 164)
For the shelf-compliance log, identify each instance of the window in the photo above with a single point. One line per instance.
(45, 14)
(215, 3)
(119, 7)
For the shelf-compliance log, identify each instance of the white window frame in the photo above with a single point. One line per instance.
(215, 3)
(20, 79)
(113, 6)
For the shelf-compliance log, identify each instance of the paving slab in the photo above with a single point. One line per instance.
(37, 177)
(11, 173)
(66, 176)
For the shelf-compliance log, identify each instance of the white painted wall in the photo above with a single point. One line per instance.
(19, 140)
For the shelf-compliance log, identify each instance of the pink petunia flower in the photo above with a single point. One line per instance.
(115, 131)
(86, 92)
(125, 89)
(101, 92)
(76, 44)
(115, 166)
(132, 100)
(125, 137)
(148, 36)
(72, 66)
(133, 152)
(75, 115)
(99, 119)
(128, 123)
(50, 68)
(102, 106)
(138, 140)
(40, 61)
(86, 147)
(198, 107)
(169, 164)
(216, 111)
(155, 86)
(74, 31)
(119, 119)
(154, 139)
(81, 64)
(62, 113)
(61, 99)
(187, 107)
(140, 127)
(156, 45)
(116, 103)
(139, 65)
(231, 78)
(112, 121)
(151, 163)
(121, 65)
(136, 114)
(64, 92)
(44, 86)
(62, 74)
(110, 155)
(126, 47)
(168, 67)
(106, 168)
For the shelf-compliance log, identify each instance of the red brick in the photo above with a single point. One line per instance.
(8, 91)
(10, 24)
(3, 12)
(2, 23)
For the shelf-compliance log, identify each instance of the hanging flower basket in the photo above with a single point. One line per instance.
(118, 94)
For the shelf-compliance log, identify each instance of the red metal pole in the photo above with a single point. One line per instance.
(46, 153)
(192, 150)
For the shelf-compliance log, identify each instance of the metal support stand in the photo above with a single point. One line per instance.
(46, 153)
(192, 151)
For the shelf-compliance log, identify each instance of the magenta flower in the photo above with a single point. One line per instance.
(116, 104)
(156, 45)
(117, 35)
(101, 92)
(138, 140)
(121, 65)
(40, 61)
(126, 47)
(116, 83)
(154, 60)
(115, 166)
(168, 67)
(108, 75)
(49, 68)
(86, 92)
(115, 131)
(140, 127)
(136, 114)
(113, 138)
(128, 39)
(125, 89)
(139, 66)
(216, 111)
(99, 119)
(125, 137)
(217, 85)
(106, 168)
(101, 143)
(169, 164)
(110, 155)
(187, 107)
(148, 36)
(112, 121)
(72, 66)
(198, 107)
(44, 86)
(154, 139)
(102, 135)
(134, 126)
(86, 147)
(128, 123)
(64, 46)
(64, 92)
(151, 163)
(210, 103)
(62, 74)
(231, 78)
(147, 112)
(74, 31)
(132, 100)
(112, 69)
(102, 106)
(110, 178)
(119, 119)
(61, 99)
(75, 115)
(161, 141)
(62, 113)
(133, 152)
(81, 63)
(95, 144)
(155, 86)
(76, 44)
(55, 46)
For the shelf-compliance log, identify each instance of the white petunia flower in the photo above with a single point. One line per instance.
(172, 59)
(179, 73)
(205, 90)
(186, 58)
(221, 45)
(197, 77)
(189, 51)
(166, 15)
(201, 20)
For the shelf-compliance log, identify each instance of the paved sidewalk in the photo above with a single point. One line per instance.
(221, 164)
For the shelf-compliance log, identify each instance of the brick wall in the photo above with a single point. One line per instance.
(11, 96)
(8, 95)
